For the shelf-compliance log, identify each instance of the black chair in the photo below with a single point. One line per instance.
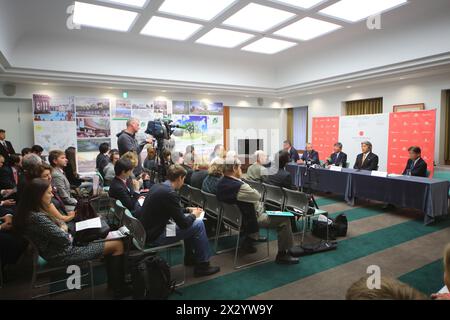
(232, 217)
(185, 194)
(213, 209)
(274, 197)
(196, 197)
(258, 186)
(297, 203)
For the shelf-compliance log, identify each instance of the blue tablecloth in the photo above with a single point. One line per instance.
(428, 195)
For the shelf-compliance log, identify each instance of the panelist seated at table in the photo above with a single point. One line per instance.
(310, 156)
(367, 160)
(415, 166)
(337, 158)
(293, 153)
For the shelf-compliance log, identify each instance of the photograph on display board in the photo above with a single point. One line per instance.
(92, 107)
(160, 107)
(87, 151)
(215, 108)
(46, 108)
(123, 109)
(142, 110)
(57, 135)
(198, 107)
(180, 107)
(93, 127)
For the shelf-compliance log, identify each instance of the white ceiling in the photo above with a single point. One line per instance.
(37, 46)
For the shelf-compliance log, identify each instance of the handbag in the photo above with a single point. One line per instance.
(85, 211)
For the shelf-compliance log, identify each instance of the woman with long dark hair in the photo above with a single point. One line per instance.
(53, 241)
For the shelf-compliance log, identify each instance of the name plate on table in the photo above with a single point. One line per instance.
(335, 168)
(381, 174)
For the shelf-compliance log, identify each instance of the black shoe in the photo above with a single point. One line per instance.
(296, 251)
(205, 269)
(285, 258)
(248, 246)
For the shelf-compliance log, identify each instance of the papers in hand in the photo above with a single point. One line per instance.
(122, 232)
(88, 224)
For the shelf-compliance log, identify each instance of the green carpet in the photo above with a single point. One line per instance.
(428, 279)
(246, 283)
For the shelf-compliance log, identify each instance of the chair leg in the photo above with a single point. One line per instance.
(237, 249)
(91, 271)
(216, 239)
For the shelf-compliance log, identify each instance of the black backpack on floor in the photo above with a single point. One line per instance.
(337, 228)
(151, 279)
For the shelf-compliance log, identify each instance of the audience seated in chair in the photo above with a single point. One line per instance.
(58, 161)
(102, 159)
(278, 176)
(445, 296)
(108, 171)
(257, 171)
(11, 174)
(231, 189)
(215, 173)
(124, 188)
(55, 243)
(161, 204)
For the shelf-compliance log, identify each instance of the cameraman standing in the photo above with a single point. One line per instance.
(127, 142)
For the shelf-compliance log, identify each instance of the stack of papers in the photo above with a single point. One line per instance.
(88, 224)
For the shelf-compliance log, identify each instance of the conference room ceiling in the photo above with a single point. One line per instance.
(186, 35)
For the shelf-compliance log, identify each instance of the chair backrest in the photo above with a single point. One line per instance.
(211, 204)
(295, 200)
(185, 193)
(137, 230)
(273, 195)
(119, 210)
(196, 197)
(258, 186)
(231, 214)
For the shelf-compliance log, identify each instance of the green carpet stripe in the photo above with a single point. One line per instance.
(328, 200)
(264, 277)
(428, 279)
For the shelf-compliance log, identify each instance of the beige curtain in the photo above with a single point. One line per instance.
(367, 106)
(290, 125)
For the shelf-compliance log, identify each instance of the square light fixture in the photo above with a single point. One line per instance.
(269, 46)
(307, 29)
(356, 10)
(91, 15)
(304, 4)
(170, 28)
(224, 38)
(129, 3)
(258, 18)
(197, 9)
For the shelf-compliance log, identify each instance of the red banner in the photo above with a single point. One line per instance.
(325, 133)
(406, 129)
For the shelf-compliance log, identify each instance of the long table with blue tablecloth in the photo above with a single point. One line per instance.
(428, 195)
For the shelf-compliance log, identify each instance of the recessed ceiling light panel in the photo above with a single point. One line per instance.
(304, 4)
(91, 15)
(224, 38)
(307, 29)
(197, 9)
(356, 10)
(269, 46)
(130, 3)
(258, 18)
(170, 28)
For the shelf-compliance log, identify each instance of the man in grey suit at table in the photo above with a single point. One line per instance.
(366, 160)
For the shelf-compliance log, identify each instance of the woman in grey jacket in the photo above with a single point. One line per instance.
(55, 244)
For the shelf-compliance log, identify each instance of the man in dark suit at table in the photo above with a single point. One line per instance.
(6, 148)
(337, 158)
(310, 155)
(415, 166)
(366, 160)
(293, 153)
